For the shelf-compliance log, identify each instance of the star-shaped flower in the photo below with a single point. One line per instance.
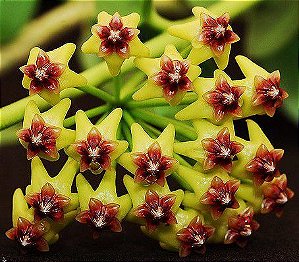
(264, 166)
(47, 73)
(29, 235)
(102, 208)
(96, 146)
(219, 99)
(153, 167)
(156, 210)
(220, 151)
(268, 93)
(263, 88)
(115, 38)
(151, 160)
(225, 99)
(276, 195)
(95, 152)
(48, 203)
(43, 134)
(220, 196)
(211, 36)
(241, 227)
(194, 236)
(100, 216)
(169, 76)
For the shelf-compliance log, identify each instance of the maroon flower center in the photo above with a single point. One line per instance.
(115, 37)
(47, 203)
(156, 210)
(264, 165)
(153, 167)
(276, 195)
(29, 235)
(224, 99)
(172, 77)
(95, 152)
(40, 138)
(220, 196)
(220, 151)
(268, 92)
(100, 216)
(240, 227)
(44, 74)
(194, 237)
(215, 33)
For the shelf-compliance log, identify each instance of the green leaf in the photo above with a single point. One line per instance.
(270, 26)
(14, 14)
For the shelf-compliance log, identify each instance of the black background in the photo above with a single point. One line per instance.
(276, 240)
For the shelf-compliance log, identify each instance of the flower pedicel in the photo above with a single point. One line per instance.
(226, 180)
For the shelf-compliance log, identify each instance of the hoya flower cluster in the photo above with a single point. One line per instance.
(229, 181)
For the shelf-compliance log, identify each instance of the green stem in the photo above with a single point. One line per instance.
(185, 52)
(8, 136)
(182, 161)
(102, 117)
(99, 93)
(70, 121)
(128, 118)
(153, 102)
(117, 86)
(181, 181)
(131, 86)
(163, 121)
(127, 134)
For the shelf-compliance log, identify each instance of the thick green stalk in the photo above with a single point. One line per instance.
(70, 121)
(163, 121)
(128, 118)
(189, 98)
(127, 134)
(8, 136)
(99, 93)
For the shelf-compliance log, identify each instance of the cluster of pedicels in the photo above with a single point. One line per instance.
(231, 180)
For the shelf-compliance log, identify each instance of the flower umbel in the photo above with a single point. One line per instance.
(44, 74)
(114, 37)
(100, 216)
(40, 138)
(29, 235)
(265, 164)
(220, 151)
(225, 99)
(95, 152)
(220, 196)
(276, 195)
(47, 203)
(215, 33)
(153, 167)
(194, 237)
(172, 77)
(156, 210)
(241, 227)
(268, 92)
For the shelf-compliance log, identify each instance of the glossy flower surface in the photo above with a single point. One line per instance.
(153, 167)
(44, 74)
(224, 99)
(276, 195)
(156, 210)
(48, 73)
(100, 216)
(241, 227)
(48, 203)
(220, 196)
(115, 37)
(40, 138)
(193, 237)
(95, 152)
(264, 166)
(268, 93)
(215, 33)
(220, 151)
(172, 77)
(29, 235)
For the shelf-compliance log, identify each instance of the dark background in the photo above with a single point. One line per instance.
(276, 240)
